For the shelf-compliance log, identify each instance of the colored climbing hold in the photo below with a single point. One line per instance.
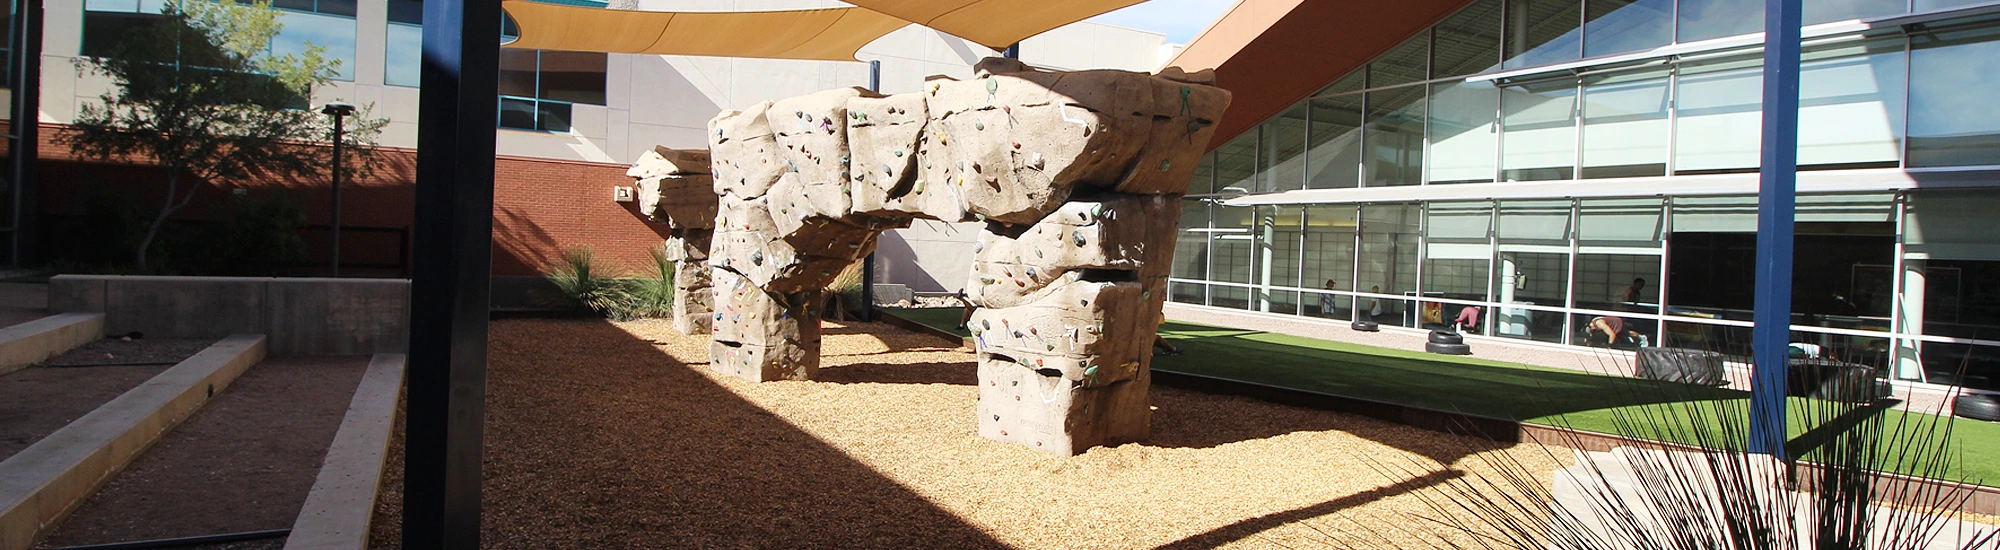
(992, 86)
(978, 125)
(1166, 164)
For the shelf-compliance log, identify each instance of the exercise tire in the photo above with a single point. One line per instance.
(1366, 326)
(1442, 337)
(1977, 406)
(1448, 349)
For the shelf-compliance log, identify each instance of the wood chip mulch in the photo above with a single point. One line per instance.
(603, 435)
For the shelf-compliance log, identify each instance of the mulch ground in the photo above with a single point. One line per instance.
(38, 400)
(602, 435)
(244, 462)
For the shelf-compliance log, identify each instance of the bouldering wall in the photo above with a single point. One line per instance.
(675, 188)
(1077, 176)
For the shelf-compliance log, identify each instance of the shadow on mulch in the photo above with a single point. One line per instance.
(645, 453)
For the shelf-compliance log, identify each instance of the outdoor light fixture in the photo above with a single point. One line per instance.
(339, 110)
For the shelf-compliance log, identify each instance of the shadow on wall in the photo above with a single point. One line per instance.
(896, 263)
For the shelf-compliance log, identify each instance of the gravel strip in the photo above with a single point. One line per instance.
(138, 350)
(617, 436)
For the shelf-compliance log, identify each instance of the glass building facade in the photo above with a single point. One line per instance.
(1583, 172)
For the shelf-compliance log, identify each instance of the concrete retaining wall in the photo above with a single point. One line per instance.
(28, 343)
(342, 501)
(301, 316)
(42, 483)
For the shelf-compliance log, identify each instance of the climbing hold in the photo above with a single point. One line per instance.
(992, 86)
(978, 125)
(1077, 237)
(1166, 164)
(899, 152)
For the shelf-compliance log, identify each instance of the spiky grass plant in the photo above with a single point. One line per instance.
(1862, 476)
(581, 281)
(845, 289)
(653, 295)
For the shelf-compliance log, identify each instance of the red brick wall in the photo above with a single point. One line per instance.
(540, 206)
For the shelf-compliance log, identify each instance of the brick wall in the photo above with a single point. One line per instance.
(540, 206)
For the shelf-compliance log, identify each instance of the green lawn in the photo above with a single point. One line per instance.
(1471, 385)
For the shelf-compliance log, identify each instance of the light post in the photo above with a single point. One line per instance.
(339, 110)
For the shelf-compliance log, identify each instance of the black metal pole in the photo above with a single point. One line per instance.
(452, 274)
(868, 263)
(338, 129)
(25, 149)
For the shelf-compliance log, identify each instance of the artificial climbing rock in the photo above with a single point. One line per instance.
(1077, 176)
(675, 188)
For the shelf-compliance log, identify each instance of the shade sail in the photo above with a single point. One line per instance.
(993, 23)
(832, 34)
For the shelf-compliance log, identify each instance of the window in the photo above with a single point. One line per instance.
(404, 48)
(1469, 41)
(1283, 162)
(328, 24)
(1619, 26)
(1625, 125)
(1334, 157)
(1719, 119)
(537, 88)
(1407, 62)
(1232, 255)
(1952, 119)
(1463, 132)
(1329, 258)
(1191, 251)
(1705, 19)
(1851, 105)
(1388, 262)
(1278, 240)
(1395, 136)
(1538, 130)
(1540, 32)
(1236, 165)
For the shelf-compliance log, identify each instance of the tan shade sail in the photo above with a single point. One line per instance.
(826, 34)
(994, 23)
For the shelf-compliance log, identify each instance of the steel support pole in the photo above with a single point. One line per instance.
(25, 149)
(452, 268)
(338, 128)
(1777, 198)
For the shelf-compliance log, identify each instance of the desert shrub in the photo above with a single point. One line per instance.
(653, 294)
(253, 235)
(581, 281)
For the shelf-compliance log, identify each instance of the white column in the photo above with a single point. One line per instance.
(1910, 307)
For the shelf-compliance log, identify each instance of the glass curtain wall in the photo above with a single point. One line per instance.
(1386, 273)
(1279, 237)
(1330, 233)
(1619, 247)
(1458, 252)
(1233, 256)
(1532, 269)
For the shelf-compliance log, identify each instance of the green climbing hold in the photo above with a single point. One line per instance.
(1166, 164)
(920, 187)
(899, 152)
(992, 86)
(978, 125)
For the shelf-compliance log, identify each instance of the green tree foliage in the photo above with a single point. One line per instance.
(200, 95)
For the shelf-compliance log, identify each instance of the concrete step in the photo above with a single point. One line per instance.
(42, 483)
(31, 342)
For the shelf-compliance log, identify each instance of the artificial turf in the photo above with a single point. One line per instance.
(1533, 394)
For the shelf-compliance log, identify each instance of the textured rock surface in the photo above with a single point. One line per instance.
(675, 188)
(1077, 176)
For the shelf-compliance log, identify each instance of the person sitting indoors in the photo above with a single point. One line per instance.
(1613, 329)
(1468, 319)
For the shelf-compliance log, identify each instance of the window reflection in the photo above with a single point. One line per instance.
(1463, 132)
(1395, 136)
(1719, 121)
(1952, 118)
(1407, 62)
(1329, 258)
(1334, 159)
(403, 59)
(1538, 130)
(1851, 106)
(1283, 162)
(1541, 32)
(1388, 262)
(1706, 19)
(1278, 240)
(1236, 165)
(1619, 26)
(334, 33)
(1457, 254)
(1469, 41)
(1625, 125)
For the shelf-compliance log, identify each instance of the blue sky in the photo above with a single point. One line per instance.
(1179, 19)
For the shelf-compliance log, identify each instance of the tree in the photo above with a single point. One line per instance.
(200, 95)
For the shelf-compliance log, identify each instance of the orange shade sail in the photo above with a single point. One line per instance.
(832, 34)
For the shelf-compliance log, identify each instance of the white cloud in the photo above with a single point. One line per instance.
(1180, 20)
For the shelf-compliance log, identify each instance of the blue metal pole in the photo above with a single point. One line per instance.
(1777, 198)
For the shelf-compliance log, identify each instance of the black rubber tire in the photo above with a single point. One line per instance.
(1366, 326)
(1448, 349)
(1443, 337)
(1977, 406)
